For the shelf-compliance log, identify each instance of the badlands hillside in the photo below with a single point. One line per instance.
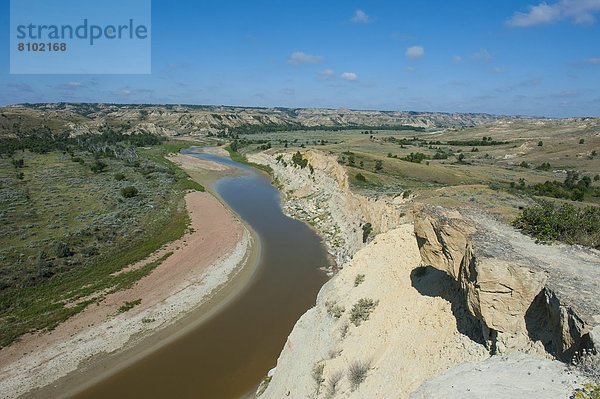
(172, 120)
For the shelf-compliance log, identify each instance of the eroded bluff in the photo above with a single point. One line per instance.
(527, 297)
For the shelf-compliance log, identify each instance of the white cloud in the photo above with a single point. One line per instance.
(456, 59)
(298, 57)
(578, 11)
(593, 61)
(349, 76)
(483, 55)
(410, 69)
(326, 74)
(360, 17)
(415, 52)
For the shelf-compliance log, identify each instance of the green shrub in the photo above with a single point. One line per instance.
(317, 375)
(129, 192)
(359, 279)
(415, 157)
(360, 177)
(589, 391)
(62, 250)
(545, 167)
(89, 251)
(99, 166)
(566, 223)
(299, 160)
(332, 383)
(362, 310)
(334, 310)
(119, 177)
(367, 229)
(357, 372)
(128, 305)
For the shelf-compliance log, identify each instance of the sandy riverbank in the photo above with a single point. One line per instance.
(202, 260)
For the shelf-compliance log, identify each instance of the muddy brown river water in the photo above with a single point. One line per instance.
(228, 354)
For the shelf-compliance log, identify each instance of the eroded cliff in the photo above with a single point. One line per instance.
(320, 195)
(425, 304)
(527, 297)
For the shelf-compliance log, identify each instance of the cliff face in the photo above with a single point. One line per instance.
(423, 308)
(527, 297)
(322, 197)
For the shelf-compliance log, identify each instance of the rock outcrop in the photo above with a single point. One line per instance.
(320, 195)
(527, 297)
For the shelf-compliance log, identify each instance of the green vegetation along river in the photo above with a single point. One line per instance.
(227, 355)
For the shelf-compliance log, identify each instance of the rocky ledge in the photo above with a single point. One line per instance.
(526, 296)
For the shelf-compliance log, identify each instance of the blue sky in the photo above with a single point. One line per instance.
(500, 57)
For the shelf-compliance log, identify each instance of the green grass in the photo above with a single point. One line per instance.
(128, 305)
(45, 303)
(241, 158)
(157, 154)
(42, 306)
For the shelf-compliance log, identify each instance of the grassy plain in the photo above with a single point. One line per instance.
(482, 178)
(66, 231)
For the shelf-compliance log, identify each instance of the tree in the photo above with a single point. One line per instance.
(461, 157)
(298, 160)
(581, 141)
(571, 179)
(540, 143)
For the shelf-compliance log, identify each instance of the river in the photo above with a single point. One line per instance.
(228, 354)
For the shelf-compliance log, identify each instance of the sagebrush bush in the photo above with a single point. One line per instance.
(362, 310)
(357, 372)
(334, 310)
(129, 192)
(359, 279)
(317, 375)
(332, 383)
